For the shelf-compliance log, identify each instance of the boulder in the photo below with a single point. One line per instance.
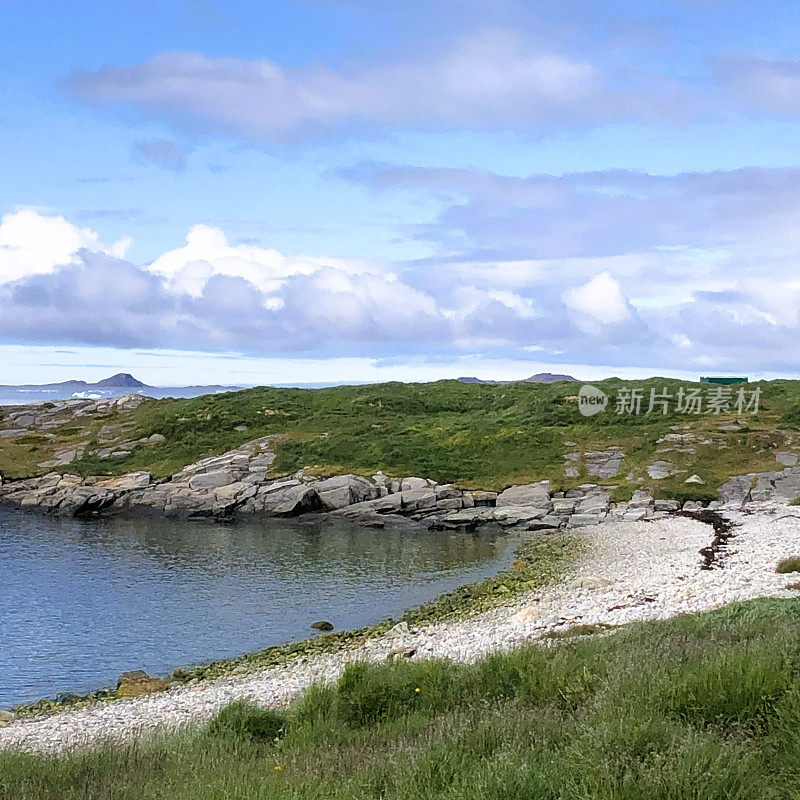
(130, 481)
(564, 506)
(211, 480)
(787, 459)
(137, 683)
(322, 625)
(287, 502)
(513, 515)
(735, 491)
(484, 498)
(417, 499)
(531, 494)
(344, 490)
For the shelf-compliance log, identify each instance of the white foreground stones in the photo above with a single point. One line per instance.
(631, 571)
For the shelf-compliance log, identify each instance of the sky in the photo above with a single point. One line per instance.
(364, 190)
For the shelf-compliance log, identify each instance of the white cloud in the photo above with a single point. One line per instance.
(35, 244)
(207, 253)
(600, 300)
(494, 79)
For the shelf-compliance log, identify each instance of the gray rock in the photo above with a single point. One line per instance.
(211, 480)
(553, 521)
(415, 499)
(735, 491)
(563, 506)
(695, 479)
(659, 470)
(512, 515)
(532, 494)
(415, 483)
(604, 463)
(667, 505)
(787, 459)
(484, 498)
(344, 490)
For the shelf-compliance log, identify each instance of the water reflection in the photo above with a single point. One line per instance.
(81, 602)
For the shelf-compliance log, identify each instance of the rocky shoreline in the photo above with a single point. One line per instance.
(240, 484)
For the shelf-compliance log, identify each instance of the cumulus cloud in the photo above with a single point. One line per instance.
(598, 302)
(491, 80)
(208, 253)
(731, 305)
(32, 244)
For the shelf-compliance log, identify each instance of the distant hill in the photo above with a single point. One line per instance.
(118, 381)
(549, 377)
(539, 377)
(122, 380)
(115, 386)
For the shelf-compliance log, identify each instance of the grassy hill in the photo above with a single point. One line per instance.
(475, 435)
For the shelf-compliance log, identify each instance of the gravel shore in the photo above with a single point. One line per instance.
(630, 571)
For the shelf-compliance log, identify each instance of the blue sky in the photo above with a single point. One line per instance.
(343, 190)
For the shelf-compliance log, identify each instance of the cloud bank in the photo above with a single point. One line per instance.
(692, 271)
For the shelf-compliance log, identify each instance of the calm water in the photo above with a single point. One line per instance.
(81, 602)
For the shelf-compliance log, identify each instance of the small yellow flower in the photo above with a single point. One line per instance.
(278, 766)
(417, 689)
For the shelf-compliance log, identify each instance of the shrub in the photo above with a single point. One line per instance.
(788, 565)
(244, 721)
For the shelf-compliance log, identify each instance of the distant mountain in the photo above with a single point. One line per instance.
(120, 380)
(540, 377)
(549, 377)
(115, 386)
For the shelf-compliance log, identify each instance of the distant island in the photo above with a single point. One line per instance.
(114, 386)
(122, 380)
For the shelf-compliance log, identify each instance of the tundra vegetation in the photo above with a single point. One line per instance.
(474, 435)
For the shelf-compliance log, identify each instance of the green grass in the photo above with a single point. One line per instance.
(484, 436)
(789, 565)
(699, 707)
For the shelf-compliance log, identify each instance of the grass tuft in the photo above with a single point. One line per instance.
(244, 721)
